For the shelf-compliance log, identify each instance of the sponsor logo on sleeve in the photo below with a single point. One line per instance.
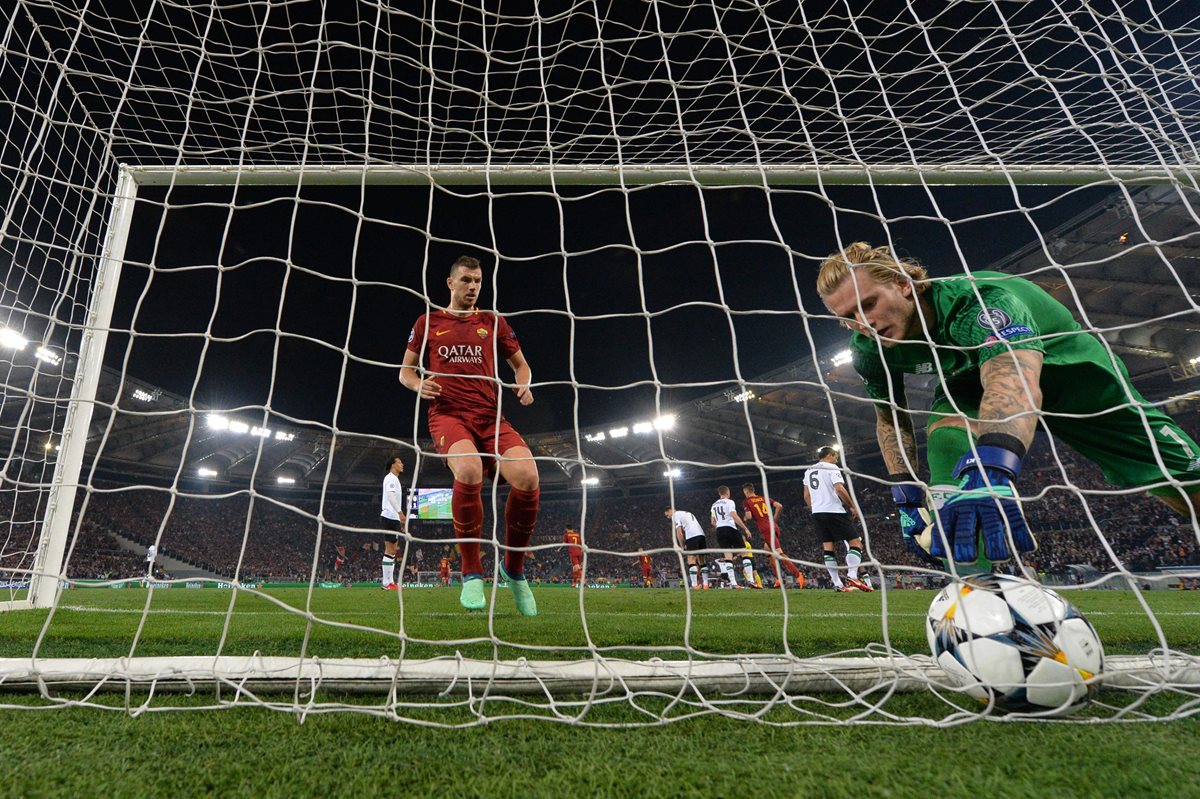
(411, 335)
(1012, 331)
(993, 319)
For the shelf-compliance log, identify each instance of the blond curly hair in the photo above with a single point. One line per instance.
(879, 262)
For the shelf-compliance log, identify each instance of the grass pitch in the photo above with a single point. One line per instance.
(694, 746)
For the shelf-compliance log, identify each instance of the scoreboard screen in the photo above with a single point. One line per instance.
(431, 504)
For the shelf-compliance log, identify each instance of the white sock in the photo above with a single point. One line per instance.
(389, 570)
(692, 576)
(704, 571)
(852, 561)
(726, 569)
(748, 571)
(831, 567)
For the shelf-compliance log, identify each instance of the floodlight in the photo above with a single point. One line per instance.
(672, 473)
(261, 432)
(12, 339)
(144, 396)
(665, 422)
(618, 432)
(238, 427)
(203, 472)
(282, 436)
(285, 481)
(48, 355)
(590, 481)
(842, 358)
(1195, 360)
(217, 422)
(595, 436)
(643, 427)
(744, 396)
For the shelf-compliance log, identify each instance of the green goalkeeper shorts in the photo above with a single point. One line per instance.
(1094, 410)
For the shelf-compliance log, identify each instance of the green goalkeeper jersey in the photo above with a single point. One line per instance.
(1087, 398)
(975, 318)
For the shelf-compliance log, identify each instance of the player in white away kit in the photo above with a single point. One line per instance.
(833, 514)
(727, 520)
(394, 518)
(690, 536)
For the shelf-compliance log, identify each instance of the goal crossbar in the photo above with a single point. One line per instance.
(748, 174)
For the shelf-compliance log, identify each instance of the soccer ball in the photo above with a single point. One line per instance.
(1008, 641)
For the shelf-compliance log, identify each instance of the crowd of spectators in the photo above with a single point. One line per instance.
(1077, 517)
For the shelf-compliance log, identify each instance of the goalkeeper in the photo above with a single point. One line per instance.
(1006, 354)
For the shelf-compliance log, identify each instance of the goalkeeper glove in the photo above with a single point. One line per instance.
(915, 522)
(985, 502)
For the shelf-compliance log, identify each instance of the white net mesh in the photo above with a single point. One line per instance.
(247, 398)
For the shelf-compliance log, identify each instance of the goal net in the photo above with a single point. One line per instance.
(219, 224)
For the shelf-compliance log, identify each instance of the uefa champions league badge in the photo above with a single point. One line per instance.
(993, 319)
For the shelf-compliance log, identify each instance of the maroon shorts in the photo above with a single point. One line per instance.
(771, 537)
(480, 429)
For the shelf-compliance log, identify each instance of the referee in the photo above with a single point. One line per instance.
(833, 515)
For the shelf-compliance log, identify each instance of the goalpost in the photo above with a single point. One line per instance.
(755, 98)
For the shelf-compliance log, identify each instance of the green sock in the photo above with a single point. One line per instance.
(946, 446)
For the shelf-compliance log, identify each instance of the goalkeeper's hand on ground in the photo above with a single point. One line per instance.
(985, 502)
(915, 522)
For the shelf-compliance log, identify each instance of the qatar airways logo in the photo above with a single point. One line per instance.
(461, 353)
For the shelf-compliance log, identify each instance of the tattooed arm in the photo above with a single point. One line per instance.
(1011, 394)
(894, 431)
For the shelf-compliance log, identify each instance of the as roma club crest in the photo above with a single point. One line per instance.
(482, 332)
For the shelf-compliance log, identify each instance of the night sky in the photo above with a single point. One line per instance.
(347, 268)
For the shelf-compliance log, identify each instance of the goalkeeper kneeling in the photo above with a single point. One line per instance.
(1006, 354)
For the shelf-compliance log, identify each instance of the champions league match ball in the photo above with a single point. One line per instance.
(1013, 643)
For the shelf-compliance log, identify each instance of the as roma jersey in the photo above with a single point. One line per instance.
(459, 352)
(760, 510)
(572, 539)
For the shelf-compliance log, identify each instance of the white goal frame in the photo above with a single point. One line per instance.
(45, 579)
(887, 673)
(598, 676)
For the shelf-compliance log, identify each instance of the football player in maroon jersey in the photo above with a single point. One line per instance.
(451, 362)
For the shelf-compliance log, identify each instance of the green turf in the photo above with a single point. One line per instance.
(255, 753)
(133, 749)
(366, 622)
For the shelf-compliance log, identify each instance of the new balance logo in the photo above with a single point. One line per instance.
(923, 369)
